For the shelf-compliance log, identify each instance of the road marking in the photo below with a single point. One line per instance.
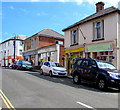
(87, 106)
(112, 93)
(6, 101)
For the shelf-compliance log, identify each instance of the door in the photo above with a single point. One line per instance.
(92, 71)
(84, 69)
(48, 68)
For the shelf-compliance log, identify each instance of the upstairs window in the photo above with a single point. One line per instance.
(74, 37)
(21, 43)
(20, 52)
(98, 30)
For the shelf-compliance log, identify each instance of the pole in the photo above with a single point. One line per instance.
(14, 43)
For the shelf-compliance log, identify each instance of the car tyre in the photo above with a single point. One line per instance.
(101, 83)
(76, 79)
(41, 72)
(50, 73)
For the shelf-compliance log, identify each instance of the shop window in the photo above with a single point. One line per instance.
(74, 37)
(98, 30)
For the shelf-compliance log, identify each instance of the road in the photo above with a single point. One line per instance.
(26, 89)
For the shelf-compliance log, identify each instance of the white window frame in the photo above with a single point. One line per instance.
(74, 37)
(95, 30)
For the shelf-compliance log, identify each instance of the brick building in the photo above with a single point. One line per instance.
(46, 45)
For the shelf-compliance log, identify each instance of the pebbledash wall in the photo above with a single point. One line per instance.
(106, 48)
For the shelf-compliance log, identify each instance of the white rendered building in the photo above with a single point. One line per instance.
(10, 51)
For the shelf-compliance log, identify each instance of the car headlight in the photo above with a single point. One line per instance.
(113, 75)
(55, 70)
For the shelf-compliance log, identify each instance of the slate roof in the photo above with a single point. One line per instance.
(101, 13)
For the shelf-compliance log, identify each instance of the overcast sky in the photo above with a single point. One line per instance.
(27, 17)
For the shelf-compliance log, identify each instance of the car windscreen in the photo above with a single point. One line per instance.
(26, 63)
(56, 65)
(105, 65)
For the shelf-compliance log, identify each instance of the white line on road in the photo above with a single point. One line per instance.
(87, 106)
(112, 93)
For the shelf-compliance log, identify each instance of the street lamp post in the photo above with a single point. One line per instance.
(14, 44)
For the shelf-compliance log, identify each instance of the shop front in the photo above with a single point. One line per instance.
(71, 56)
(48, 53)
(29, 56)
(100, 52)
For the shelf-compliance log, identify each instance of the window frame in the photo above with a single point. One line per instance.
(96, 29)
(74, 37)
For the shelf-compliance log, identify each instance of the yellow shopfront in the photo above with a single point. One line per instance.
(71, 56)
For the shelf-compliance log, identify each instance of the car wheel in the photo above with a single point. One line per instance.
(102, 84)
(41, 72)
(76, 79)
(50, 73)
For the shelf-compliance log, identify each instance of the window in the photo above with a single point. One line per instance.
(47, 64)
(74, 37)
(21, 43)
(79, 62)
(85, 63)
(8, 43)
(8, 52)
(20, 52)
(98, 30)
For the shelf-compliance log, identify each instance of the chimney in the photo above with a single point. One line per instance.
(99, 6)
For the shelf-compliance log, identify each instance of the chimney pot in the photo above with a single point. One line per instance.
(99, 6)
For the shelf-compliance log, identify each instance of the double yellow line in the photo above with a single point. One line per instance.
(6, 101)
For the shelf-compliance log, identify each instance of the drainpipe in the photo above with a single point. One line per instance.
(58, 52)
(118, 42)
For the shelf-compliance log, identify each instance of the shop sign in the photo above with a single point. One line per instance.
(74, 50)
(99, 48)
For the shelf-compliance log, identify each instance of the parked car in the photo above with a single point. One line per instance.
(102, 74)
(24, 65)
(53, 69)
(14, 64)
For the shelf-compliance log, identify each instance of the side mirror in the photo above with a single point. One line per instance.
(94, 66)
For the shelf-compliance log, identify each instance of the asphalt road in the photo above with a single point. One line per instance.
(26, 89)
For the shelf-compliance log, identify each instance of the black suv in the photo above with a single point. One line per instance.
(102, 74)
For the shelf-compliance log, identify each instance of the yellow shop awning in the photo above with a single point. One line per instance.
(75, 50)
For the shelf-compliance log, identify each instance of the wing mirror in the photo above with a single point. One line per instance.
(94, 66)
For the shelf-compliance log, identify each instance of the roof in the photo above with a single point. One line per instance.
(10, 40)
(18, 37)
(49, 33)
(94, 16)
